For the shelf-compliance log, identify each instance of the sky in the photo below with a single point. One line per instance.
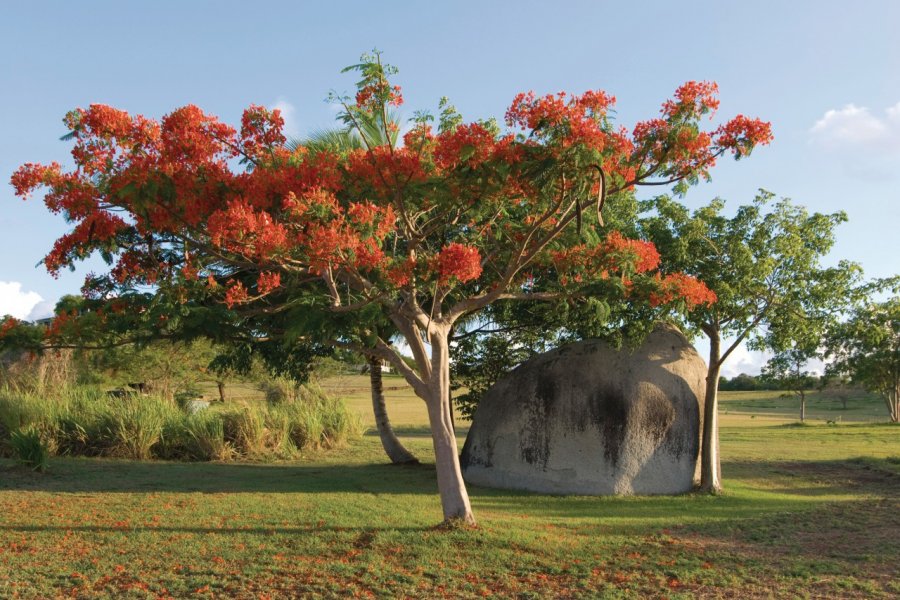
(824, 74)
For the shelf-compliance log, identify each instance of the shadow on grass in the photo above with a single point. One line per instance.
(796, 478)
(110, 475)
(312, 528)
(418, 431)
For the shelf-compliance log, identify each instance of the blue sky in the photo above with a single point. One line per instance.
(826, 76)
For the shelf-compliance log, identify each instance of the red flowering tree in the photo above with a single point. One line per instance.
(422, 232)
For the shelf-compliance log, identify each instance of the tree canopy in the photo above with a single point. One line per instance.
(422, 229)
(765, 268)
(866, 346)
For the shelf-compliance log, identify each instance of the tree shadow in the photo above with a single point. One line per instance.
(89, 475)
(796, 487)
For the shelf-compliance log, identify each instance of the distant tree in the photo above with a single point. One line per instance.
(765, 269)
(787, 370)
(866, 347)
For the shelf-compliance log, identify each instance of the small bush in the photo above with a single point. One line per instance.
(245, 430)
(207, 437)
(136, 424)
(279, 390)
(29, 449)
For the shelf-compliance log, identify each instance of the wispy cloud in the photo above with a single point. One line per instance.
(857, 128)
(16, 302)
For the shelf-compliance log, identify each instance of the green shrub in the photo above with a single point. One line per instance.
(136, 424)
(29, 449)
(245, 430)
(207, 437)
(86, 422)
(278, 390)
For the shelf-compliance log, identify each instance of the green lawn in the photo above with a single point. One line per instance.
(811, 511)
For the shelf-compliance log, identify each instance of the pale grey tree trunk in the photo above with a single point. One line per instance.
(454, 497)
(892, 399)
(393, 447)
(802, 406)
(710, 463)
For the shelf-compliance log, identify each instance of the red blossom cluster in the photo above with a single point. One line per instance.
(235, 294)
(692, 99)
(458, 261)
(615, 254)
(261, 130)
(372, 96)
(242, 230)
(568, 119)
(468, 144)
(7, 325)
(267, 282)
(741, 134)
(681, 286)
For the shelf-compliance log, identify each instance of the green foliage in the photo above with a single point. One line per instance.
(763, 265)
(206, 433)
(866, 347)
(30, 449)
(482, 359)
(82, 422)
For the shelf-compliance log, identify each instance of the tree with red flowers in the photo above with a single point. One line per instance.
(423, 232)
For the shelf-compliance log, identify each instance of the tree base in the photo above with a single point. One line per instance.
(456, 524)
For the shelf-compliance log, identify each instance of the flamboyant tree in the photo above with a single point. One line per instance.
(423, 234)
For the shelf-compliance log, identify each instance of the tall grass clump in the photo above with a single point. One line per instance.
(135, 425)
(30, 449)
(279, 390)
(206, 437)
(318, 420)
(245, 430)
(79, 421)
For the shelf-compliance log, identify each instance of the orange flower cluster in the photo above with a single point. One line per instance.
(617, 254)
(680, 286)
(458, 262)
(268, 282)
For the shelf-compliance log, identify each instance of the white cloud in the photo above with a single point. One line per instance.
(289, 114)
(743, 360)
(857, 128)
(16, 302)
(740, 361)
(41, 310)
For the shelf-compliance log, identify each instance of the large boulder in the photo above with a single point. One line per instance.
(589, 419)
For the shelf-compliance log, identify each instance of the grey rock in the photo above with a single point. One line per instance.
(589, 419)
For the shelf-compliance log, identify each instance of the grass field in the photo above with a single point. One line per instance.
(809, 511)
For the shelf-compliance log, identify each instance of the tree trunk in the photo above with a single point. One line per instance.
(452, 488)
(892, 399)
(710, 465)
(802, 406)
(392, 446)
(221, 386)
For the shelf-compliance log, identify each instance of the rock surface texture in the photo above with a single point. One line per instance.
(589, 419)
